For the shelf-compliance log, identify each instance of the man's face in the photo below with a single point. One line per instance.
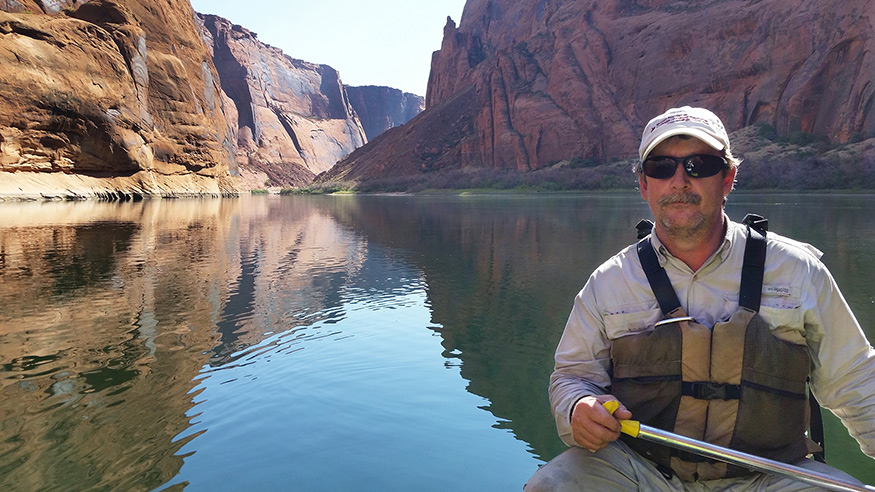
(686, 207)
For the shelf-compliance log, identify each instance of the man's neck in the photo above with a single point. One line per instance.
(694, 250)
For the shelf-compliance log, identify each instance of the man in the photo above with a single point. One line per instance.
(721, 354)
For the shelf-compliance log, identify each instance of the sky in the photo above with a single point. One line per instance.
(376, 42)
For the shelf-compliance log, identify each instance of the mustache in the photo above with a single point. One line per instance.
(686, 197)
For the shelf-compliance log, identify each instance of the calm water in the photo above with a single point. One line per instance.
(320, 343)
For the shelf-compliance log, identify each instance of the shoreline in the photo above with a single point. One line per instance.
(122, 196)
(146, 185)
(21, 186)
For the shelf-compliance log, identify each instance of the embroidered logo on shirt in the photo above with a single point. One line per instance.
(777, 290)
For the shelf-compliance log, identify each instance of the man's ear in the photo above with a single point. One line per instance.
(729, 180)
(642, 185)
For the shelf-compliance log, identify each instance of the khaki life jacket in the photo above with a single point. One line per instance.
(734, 384)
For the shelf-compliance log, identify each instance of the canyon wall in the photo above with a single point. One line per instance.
(530, 83)
(382, 108)
(109, 98)
(121, 99)
(293, 118)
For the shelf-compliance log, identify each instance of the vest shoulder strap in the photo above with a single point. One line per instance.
(752, 269)
(660, 284)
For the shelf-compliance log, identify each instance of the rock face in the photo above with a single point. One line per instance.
(293, 118)
(539, 81)
(113, 98)
(439, 138)
(382, 108)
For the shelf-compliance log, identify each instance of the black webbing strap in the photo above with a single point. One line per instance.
(758, 222)
(644, 227)
(815, 428)
(752, 270)
(660, 284)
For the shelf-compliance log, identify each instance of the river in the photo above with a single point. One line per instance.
(324, 342)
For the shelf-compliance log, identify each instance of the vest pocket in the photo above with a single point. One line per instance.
(773, 408)
(647, 374)
(646, 378)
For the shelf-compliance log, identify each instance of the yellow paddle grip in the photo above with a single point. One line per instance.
(630, 427)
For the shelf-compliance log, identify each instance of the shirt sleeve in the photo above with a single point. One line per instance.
(582, 361)
(843, 361)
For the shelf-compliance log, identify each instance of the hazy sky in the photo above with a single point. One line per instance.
(376, 42)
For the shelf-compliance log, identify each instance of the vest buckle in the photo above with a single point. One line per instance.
(706, 390)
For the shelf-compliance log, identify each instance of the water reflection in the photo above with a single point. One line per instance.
(147, 345)
(501, 274)
(82, 360)
(110, 312)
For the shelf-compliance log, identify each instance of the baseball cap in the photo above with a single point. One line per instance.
(696, 122)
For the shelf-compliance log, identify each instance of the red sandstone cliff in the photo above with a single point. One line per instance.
(382, 108)
(109, 98)
(293, 118)
(528, 83)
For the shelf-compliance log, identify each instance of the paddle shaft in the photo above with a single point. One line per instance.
(747, 460)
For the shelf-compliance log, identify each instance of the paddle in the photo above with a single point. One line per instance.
(749, 461)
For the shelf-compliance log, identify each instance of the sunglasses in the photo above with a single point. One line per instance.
(696, 165)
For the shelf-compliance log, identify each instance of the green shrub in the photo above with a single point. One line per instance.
(766, 131)
(580, 162)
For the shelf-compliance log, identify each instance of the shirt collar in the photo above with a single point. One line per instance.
(735, 233)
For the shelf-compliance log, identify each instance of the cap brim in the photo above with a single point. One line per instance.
(693, 132)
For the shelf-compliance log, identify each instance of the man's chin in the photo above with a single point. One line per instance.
(682, 215)
(683, 225)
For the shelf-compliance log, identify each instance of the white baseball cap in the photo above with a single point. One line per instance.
(696, 122)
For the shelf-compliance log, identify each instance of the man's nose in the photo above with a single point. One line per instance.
(680, 179)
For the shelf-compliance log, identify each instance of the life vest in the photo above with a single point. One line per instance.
(735, 384)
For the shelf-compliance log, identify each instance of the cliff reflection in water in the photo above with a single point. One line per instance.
(501, 274)
(108, 313)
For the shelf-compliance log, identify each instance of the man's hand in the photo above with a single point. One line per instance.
(592, 426)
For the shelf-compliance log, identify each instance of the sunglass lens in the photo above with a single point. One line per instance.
(660, 167)
(703, 165)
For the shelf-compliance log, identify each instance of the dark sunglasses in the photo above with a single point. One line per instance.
(696, 165)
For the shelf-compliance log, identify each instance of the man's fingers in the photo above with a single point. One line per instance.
(604, 417)
(593, 427)
(593, 440)
(622, 413)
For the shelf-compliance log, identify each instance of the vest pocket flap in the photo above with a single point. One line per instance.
(770, 383)
(771, 425)
(650, 372)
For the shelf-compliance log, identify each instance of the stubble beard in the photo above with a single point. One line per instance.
(686, 228)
